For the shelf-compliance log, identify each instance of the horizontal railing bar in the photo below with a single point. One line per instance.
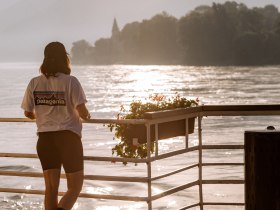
(112, 159)
(164, 119)
(16, 120)
(222, 146)
(83, 195)
(18, 155)
(223, 204)
(123, 179)
(115, 159)
(88, 158)
(222, 164)
(169, 118)
(173, 118)
(116, 178)
(219, 110)
(14, 190)
(23, 174)
(86, 177)
(113, 197)
(116, 121)
(174, 172)
(173, 112)
(189, 207)
(101, 121)
(204, 110)
(170, 154)
(240, 113)
(174, 190)
(240, 107)
(223, 181)
(133, 160)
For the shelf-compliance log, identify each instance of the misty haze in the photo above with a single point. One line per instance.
(163, 90)
(26, 26)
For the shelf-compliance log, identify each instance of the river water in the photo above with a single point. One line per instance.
(108, 87)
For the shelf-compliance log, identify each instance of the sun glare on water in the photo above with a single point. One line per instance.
(148, 80)
(128, 207)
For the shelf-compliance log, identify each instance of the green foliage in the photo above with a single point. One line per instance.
(137, 110)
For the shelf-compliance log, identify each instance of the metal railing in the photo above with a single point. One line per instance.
(155, 119)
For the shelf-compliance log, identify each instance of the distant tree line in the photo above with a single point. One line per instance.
(221, 34)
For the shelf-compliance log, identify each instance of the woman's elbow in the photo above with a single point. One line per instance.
(83, 112)
(84, 115)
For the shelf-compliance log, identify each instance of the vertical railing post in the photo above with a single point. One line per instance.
(200, 163)
(156, 139)
(149, 167)
(187, 133)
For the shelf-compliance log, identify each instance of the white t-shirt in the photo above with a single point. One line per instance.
(54, 101)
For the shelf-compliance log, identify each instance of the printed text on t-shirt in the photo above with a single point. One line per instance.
(49, 98)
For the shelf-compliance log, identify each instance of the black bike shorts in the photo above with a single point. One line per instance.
(60, 148)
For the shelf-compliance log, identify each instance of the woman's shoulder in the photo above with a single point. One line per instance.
(63, 76)
(37, 78)
(34, 81)
(69, 78)
(73, 78)
(59, 74)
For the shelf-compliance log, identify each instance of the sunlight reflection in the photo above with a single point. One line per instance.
(20, 205)
(156, 190)
(107, 208)
(220, 195)
(144, 79)
(194, 142)
(126, 207)
(171, 203)
(28, 187)
(163, 147)
(99, 190)
(160, 167)
(76, 206)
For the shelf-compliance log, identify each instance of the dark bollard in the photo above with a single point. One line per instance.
(262, 170)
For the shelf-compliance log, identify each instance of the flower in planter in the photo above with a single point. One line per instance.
(126, 148)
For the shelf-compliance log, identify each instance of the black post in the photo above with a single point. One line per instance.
(262, 170)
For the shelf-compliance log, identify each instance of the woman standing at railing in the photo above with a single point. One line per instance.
(57, 101)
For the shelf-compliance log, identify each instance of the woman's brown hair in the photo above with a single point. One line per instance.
(55, 60)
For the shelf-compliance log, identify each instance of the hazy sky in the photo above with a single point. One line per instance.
(26, 26)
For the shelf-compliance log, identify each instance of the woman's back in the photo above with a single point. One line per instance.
(55, 99)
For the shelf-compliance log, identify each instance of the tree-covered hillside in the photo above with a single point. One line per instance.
(221, 34)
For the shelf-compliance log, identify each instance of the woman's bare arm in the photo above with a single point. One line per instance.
(29, 115)
(83, 111)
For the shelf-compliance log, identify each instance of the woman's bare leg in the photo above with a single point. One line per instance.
(74, 184)
(52, 177)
